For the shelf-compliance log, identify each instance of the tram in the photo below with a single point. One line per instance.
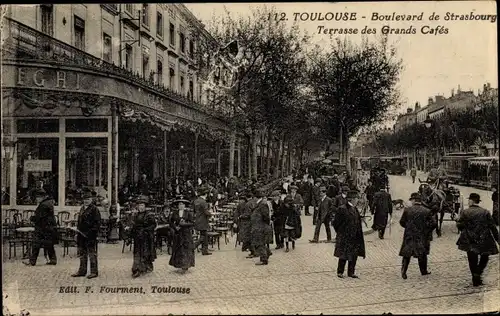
(395, 165)
(456, 166)
(480, 172)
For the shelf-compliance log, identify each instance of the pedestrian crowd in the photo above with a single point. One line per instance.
(261, 221)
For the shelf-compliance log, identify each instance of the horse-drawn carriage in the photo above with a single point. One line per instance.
(441, 199)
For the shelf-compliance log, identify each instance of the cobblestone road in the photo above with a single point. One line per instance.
(301, 281)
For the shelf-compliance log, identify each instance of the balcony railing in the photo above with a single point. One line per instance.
(24, 42)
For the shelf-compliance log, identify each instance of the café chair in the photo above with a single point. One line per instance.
(20, 239)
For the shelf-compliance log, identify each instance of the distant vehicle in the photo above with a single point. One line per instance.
(479, 173)
(395, 165)
(456, 166)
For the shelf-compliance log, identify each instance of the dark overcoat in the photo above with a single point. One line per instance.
(325, 210)
(307, 193)
(292, 219)
(338, 202)
(478, 232)
(494, 198)
(382, 207)
(89, 222)
(242, 219)
(278, 217)
(201, 213)
(143, 232)
(261, 220)
(350, 239)
(370, 192)
(315, 196)
(418, 221)
(183, 244)
(45, 223)
(333, 189)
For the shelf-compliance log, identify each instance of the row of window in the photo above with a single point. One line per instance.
(107, 55)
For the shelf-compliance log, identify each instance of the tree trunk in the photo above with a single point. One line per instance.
(232, 145)
(288, 158)
(254, 154)
(268, 151)
(249, 157)
(277, 159)
(282, 157)
(347, 155)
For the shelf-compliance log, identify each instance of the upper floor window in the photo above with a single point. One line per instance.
(79, 28)
(191, 48)
(172, 34)
(107, 53)
(182, 84)
(145, 66)
(47, 18)
(191, 90)
(160, 72)
(183, 42)
(145, 14)
(172, 78)
(128, 7)
(128, 57)
(159, 24)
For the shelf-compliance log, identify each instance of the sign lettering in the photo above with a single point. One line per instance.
(37, 165)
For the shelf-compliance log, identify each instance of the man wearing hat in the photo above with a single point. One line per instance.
(478, 237)
(45, 234)
(307, 194)
(316, 198)
(334, 187)
(350, 242)
(202, 215)
(418, 221)
(297, 198)
(278, 218)
(382, 208)
(242, 222)
(89, 221)
(325, 210)
(261, 220)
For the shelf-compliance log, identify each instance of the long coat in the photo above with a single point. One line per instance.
(325, 209)
(183, 244)
(370, 192)
(45, 223)
(307, 192)
(350, 239)
(89, 222)
(242, 219)
(292, 219)
(418, 221)
(382, 207)
(278, 217)
(333, 189)
(315, 196)
(338, 202)
(143, 232)
(261, 220)
(478, 232)
(201, 213)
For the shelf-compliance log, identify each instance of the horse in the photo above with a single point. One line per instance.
(435, 200)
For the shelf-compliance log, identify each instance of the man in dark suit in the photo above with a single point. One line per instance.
(307, 194)
(89, 221)
(202, 215)
(325, 209)
(333, 188)
(478, 237)
(382, 208)
(417, 221)
(45, 234)
(316, 198)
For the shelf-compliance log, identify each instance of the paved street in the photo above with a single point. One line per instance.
(301, 281)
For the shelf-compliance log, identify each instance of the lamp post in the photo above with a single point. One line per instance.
(428, 125)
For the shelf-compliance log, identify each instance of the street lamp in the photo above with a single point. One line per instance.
(8, 148)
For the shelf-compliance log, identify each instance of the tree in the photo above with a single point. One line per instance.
(354, 86)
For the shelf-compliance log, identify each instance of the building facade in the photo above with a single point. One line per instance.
(97, 95)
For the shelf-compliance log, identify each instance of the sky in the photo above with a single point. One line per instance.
(434, 64)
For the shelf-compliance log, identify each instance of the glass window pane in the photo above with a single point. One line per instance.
(86, 169)
(38, 126)
(86, 125)
(37, 167)
(5, 177)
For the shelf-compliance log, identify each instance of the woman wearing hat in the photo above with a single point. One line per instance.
(182, 222)
(478, 237)
(142, 231)
(296, 197)
(292, 229)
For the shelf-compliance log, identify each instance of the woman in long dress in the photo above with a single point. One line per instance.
(293, 224)
(142, 230)
(181, 222)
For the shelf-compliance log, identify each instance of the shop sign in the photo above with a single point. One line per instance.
(37, 165)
